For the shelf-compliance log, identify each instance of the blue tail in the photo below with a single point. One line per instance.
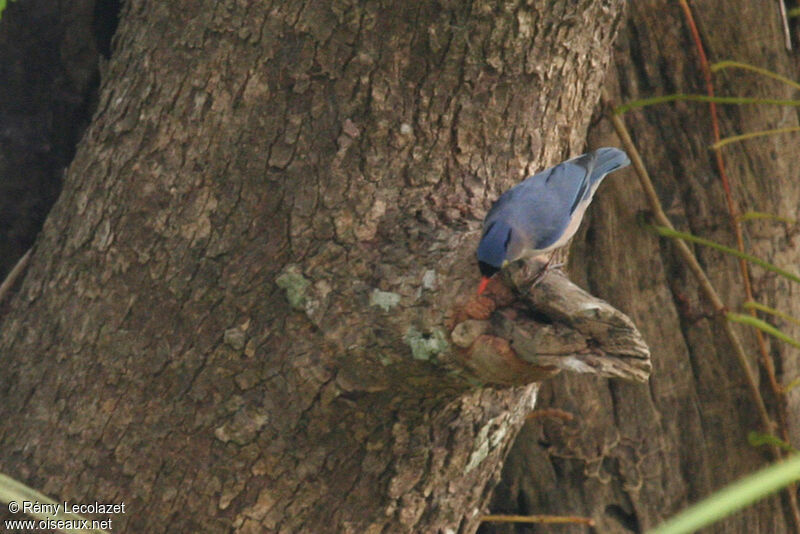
(595, 166)
(608, 160)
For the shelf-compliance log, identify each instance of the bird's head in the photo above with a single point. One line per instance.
(493, 251)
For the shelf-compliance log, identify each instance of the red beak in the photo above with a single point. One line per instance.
(484, 282)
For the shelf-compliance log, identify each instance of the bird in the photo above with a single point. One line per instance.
(543, 212)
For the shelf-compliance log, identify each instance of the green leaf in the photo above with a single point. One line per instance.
(759, 439)
(761, 133)
(763, 326)
(669, 232)
(12, 491)
(764, 72)
(793, 384)
(634, 104)
(750, 305)
(753, 215)
(732, 498)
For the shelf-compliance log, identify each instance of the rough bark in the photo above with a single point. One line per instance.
(634, 455)
(235, 315)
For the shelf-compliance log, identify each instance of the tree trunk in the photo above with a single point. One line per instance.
(634, 455)
(237, 313)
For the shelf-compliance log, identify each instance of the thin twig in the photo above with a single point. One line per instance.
(750, 135)
(669, 232)
(732, 210)
(15, 273)
(756, 215)
(787, 35)
(705, 284)
(766, 360)
(772, 311)
(728, 64)
(764, 326)
(707, 289)
(712, 100)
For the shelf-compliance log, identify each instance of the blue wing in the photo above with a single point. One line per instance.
(540, 208)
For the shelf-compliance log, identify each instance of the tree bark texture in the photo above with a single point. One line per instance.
(236, 315)
(634, 455)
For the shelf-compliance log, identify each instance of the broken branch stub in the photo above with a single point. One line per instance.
(547, 327)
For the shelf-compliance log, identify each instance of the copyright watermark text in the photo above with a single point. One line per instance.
(63, 515)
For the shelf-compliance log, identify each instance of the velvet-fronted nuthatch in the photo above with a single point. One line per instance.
(541, 213)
